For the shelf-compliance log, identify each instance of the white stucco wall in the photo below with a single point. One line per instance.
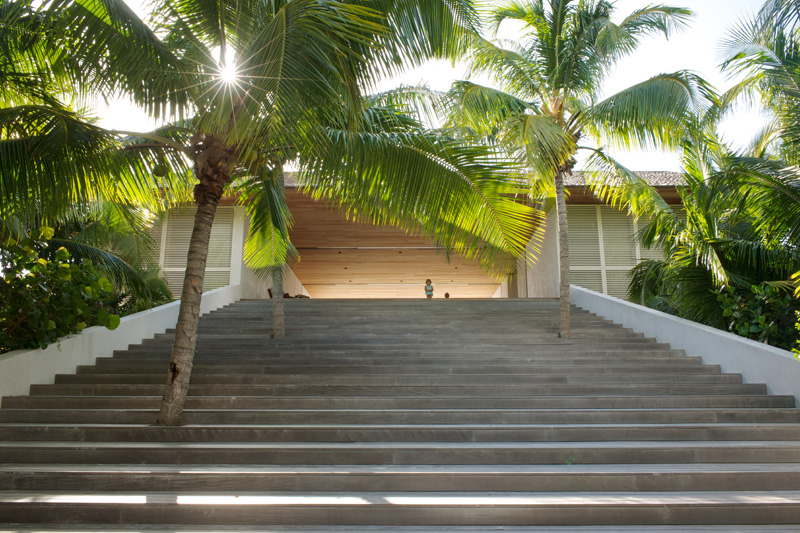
(255, 288)
(756, 362)
(22, 368)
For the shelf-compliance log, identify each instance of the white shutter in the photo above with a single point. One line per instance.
(648, 253)
(219, 247)
(176, 243)
(179, 225)
(602, 249)
(680, 211)
(618, 246)
(155, 232)
(588, 279)
(617, 283)
(584, 244)
(216, 279)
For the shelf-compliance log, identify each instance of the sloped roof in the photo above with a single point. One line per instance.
(654, 178)
(577, 179)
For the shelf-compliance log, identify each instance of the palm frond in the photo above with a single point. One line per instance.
(653, 114)
(482, 110)
(107, 49)
(51, 159)
(616, 185)
(620, 40)
(267, 242)
(512, 67)
(461, 196)
(419, 31)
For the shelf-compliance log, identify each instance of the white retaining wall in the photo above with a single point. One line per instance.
(756, 362)
(22, 368)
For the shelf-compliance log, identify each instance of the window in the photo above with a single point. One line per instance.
(173, 239)
(601, 248)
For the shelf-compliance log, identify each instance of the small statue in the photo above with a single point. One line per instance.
(428, 289)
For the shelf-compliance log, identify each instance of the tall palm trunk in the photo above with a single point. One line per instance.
(278, 329)
(278, 322)
(563, 256)
(213, 167)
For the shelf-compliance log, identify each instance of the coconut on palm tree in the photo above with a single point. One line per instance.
(246, 86)
(547, 97)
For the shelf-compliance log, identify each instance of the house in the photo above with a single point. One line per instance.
(340, 258)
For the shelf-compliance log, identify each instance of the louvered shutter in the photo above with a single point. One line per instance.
(155, 233)
(588, 279)
(617, 283)
(584, 245)
(179, 225)
(648, 253)
(618, 247)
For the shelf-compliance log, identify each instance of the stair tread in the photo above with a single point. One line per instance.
(619, 499)
(400, 445)
(520, 469)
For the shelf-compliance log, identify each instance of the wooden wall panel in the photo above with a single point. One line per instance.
(401, 291)
(317, 225)
(383, 266)
(344, 259)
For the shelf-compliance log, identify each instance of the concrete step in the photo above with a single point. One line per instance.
(230, 377)
(406, 508)
(462, 353)
(178, 528)
(394, 453)
(406, 359)
(408, 416)
(407, 402)
(453, 478)
(432, 390)
(123, 368)
(444, 432)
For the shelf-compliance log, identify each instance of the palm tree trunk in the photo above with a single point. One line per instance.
(180, 366)
(563, 256)
(278, 329)
(213, 170)
(278, 322)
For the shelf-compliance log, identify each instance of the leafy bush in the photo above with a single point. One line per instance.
(796, 349)
(763, 313)
(44, 300)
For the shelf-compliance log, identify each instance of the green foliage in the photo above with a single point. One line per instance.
(763, 313)
(44, 300)
(796, 349)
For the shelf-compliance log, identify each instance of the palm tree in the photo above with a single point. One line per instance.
(718, 240)
(547, 101)
(57, 169)
(301, 67)
(765, 50)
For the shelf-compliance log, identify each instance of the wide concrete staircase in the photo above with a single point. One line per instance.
(403, 415)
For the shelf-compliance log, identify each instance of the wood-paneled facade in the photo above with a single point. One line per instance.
(340, 258)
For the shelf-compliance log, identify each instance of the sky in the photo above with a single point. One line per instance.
(696, 49)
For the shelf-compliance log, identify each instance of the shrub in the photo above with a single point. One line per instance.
(763, 313)
(44, 300)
